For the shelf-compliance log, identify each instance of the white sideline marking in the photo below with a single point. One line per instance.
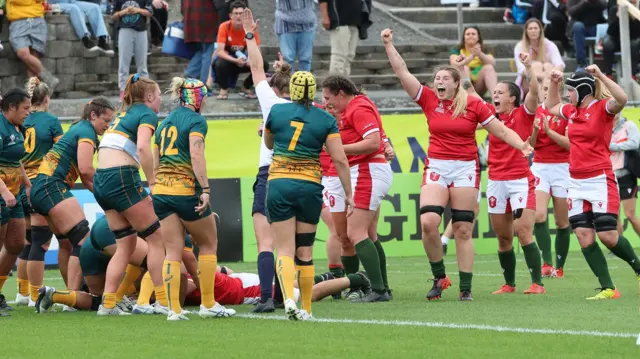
(580, 333)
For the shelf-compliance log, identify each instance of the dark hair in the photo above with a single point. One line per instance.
(98, 105)
(13, 98)
(514, 90)
(281, 78)
(335, 83)
(237, 4)
(461, 46)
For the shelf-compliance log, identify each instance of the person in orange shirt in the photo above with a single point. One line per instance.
(231, 54)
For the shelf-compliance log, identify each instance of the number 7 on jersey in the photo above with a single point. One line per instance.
(296, 134)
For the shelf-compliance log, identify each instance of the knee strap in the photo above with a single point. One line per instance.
(78, 232)
(75, 252)
(36, 253)
(604, 222)
(582, 220)
(122, 233)
(439, 210)
(305, 239)
(517, 213)
(40, 236)
(24, 254)
(150, 230)
(458, 215)
(302, 263)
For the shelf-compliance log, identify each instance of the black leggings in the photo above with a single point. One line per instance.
(224, 71)
(158, 25)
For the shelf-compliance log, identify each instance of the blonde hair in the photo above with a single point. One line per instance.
(541, 51)
(175, 87)
(135, 90)
(460, 97)
(37, 90)
(601, 92)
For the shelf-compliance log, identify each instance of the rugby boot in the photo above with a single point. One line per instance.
(505, 289)
(535, 289)
(439, 284)
(465, 296)
(607, 293)
(4, 307)
(266, 307)
(547, 270)
(217, 311)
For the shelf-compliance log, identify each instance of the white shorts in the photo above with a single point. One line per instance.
(450, 173)
(370, 182)
(253, 280)
(596, 194)
(506, 196)
(325, 192)
(552, 178)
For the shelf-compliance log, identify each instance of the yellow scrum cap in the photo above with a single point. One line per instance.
(302, 86)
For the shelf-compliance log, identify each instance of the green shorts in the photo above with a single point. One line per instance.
(26, 207)
(288, 198)
(183, 206)
(92, 261)
(47, 192)
(7, 213)
(475, 72)
(118, 188)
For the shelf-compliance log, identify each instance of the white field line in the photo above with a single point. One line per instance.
(481, 327)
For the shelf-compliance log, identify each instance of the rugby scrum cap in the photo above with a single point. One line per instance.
(583, 83)
(302, 86)
(192, 92)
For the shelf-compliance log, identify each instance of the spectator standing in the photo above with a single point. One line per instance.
(132, 18)
(543, 52)
(200, 29)
(81, 12)
(342, 19)
(556, 30)
(611, 43)
(28, 36)
(585, 15)
(161, 16)
(480, 69)
(296, 28)
(231, 54)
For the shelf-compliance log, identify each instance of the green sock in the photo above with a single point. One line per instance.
(598, 264)
(437, 268)
(356, 280)
(351, 264)
(382, 257)
(533, 260)
(465, 281)
(337, 270)
(624, 251)
(508, 265)
(543, 237)
(368, 254)
(563, 237)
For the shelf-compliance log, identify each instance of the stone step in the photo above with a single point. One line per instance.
(498, 48)
(411, 3)
(449, 15)
(497, 31)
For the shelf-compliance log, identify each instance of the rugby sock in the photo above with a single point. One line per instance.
(277, 290)
(266, 268)
(337, 270)
(543, 237)
(171, 274)
(465, 280)
(534, 263)
(437, 268)
(35, 291)
(130, 275)
(351, 264)
(146, 289)
(131, 291)
(23, 287)
(445, 240)
(356, 280)
(368, 254)
(508, 265)
(285, 270)
(109, 300)
(598, 264)
(161, 295)
(305, 282)
(67, 298)
(3, 278)
(207, 275)
(382, 257)
(562, 246)
(624, 251)
(323, 277)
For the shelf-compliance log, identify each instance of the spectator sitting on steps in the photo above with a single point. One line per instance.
(585, 15)
(81, 11)
(28, 36)
(480, 69)
(544, 53)
(611, 43)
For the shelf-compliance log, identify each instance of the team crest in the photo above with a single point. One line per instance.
(520, 199)
(332, 201)
(492, 202)
(537, 181)
(434, 177)
(470, 177)
(600, 204)
(440, 108)
(570, 203)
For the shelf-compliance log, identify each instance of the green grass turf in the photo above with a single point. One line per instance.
(56, 335)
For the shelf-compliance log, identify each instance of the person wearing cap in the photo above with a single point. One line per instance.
(593, 197)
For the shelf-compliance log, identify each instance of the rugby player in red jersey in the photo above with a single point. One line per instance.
(593, 197)
(451, 171)
(551, 170)
(511, 189)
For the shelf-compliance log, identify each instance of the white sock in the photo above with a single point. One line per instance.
(444, 240)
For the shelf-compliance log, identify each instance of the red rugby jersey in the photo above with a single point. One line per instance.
(505, 162)
(547, 150)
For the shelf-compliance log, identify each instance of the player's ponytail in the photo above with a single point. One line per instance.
(135, 90)
(602, 92)
(98, 105)
(280, 80)
(37, 90)
(175, 86)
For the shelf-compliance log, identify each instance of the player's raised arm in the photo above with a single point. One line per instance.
(409, 82)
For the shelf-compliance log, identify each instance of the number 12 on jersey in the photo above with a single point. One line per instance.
(296, 134)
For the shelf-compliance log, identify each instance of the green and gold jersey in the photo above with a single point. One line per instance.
(42, 131)
(122, 134)
(61, 161)
(175, 173)
(11, 151)
(298, 135)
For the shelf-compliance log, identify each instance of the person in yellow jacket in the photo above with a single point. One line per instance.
(28, 36)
